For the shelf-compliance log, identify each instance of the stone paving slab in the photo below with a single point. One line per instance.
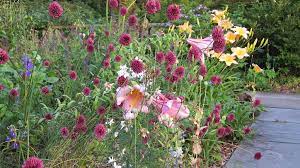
(280, 115)
(279, 100)
(277, 135)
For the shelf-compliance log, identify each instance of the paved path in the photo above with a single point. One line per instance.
(277, 135)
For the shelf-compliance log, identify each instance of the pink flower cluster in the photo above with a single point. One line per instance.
(55, 10)
(153, 6)
(4, 57)
(219, 39)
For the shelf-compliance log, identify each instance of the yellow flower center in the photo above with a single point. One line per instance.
(135, 97)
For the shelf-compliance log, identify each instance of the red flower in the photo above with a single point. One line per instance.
(231, 117)
(203, 70)
(92, 35)
(73, 75)
(55, 10)
(86, 91)
(246, 130)
(217, 119)
(106, 33)
(173, 12)
(132, 20)
(64, 132)
(125, 39)
(123, 11)
(111, 47)
(90, 48)
(219, 46)
(14, 93)
(217, 33)
(215, 80)
(170, 58)
(257, 155)
(169, 68)
(218, 107)
(46, 63)
(48, 116)
(101, 110)
(179, 72)
(113, 3)
(33, 162)
(122, 81)
(153, 6)
(228, 130)
(137, 66)
(80, 124)
(118, 58)
(256, 103)
(100, 131)
(2, 87)
(4, 57)
(45, 90)
(160, 57)
(96, 81)
(106, 62)
(195, 54)
(90, 41)
(221, 132)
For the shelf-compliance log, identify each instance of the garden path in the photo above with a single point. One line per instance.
(277, 135)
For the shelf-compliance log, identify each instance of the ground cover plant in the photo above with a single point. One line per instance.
(112, 96)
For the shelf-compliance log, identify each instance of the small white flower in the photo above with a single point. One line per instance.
(123, 71)
(108, 86)
(110, 122)
(116, 134)
(116, 166)
(111, 160)
(123, 124)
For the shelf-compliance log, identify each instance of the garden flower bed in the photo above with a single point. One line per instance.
(109, 96)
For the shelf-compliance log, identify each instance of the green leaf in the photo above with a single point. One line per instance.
(52, 79)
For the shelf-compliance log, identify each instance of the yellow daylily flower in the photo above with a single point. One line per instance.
(230, 37)
(239, 52)
(218, 15)
(256, 68)
(228, 59)
(185, 28)
(225, 24)
(213, 54)
(242, 31)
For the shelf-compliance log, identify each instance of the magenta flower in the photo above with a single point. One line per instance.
(64, 132)
(137, 66)
(96, 81)
(153, 6)
(55, 10)
(4, 57)
(160, 57)
(118, 58)
(111, 47)
(257, 156)
(100, 131)
(132, 20)
(90, 48)
(46, 63)
(256, 103)
(203, 70)
(125, 39)
(86, 91)
(48, 116)
(101, 110)
(33, 162)
(246, 130)
(173, 12)
(230, 117)
(14, 93)
(113, 3)
(2, 87)
(217, 33)
(219, 46)
(106, 62)
(122, 81)
(123, 11)
(221, 132)
(45, 90)
(73, 75)
(195, 54)
(216, 80)
(170, 58)
(90, 41)
(179, 72)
